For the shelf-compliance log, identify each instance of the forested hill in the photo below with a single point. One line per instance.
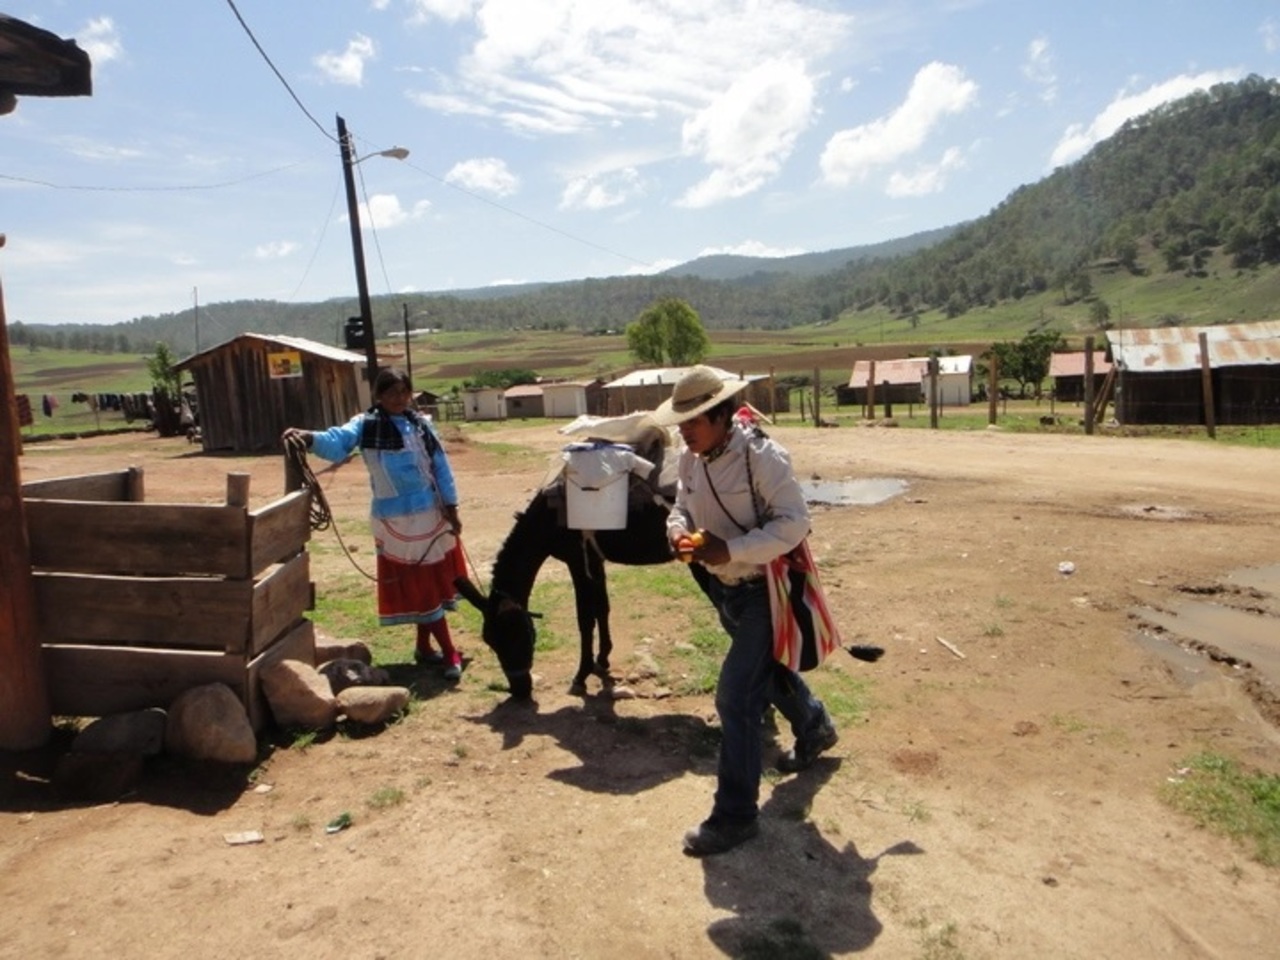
(1194, 178)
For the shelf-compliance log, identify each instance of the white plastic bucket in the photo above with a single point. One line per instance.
(596, 486)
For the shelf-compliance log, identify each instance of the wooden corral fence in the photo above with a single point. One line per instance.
(137, 602)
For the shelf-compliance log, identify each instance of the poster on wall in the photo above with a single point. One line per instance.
(284, 363)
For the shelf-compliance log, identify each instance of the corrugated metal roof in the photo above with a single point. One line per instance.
(293, 343)
(1072, 364)
(908, 370)
(668, 375)
(1170, 349)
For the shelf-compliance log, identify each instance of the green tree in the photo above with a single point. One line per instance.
(668, 333)
(164, 377)
(1100, 313)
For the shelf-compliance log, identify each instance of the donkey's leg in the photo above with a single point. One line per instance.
(602, 617)
(584, 597)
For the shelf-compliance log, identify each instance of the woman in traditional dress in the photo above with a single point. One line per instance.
(414, 512)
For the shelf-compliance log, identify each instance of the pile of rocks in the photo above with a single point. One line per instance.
(209, 723)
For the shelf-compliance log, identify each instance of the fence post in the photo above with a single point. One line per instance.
(993, 397)
(933, 392)
(1206, 383)
(1088, 386)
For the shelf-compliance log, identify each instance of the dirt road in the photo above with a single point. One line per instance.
(993, 797)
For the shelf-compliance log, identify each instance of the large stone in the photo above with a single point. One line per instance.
(209, 723)
(372, 704)
(299, 695)
(327, 649)
(345, 672)
(139, 731)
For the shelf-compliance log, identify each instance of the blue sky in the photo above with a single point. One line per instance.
(552, 139)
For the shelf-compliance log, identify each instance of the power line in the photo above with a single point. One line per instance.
(178, 188)
(279, 76)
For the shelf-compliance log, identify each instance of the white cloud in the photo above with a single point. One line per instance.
(561, 66)
(347, 68)
(450, 11)
(274, 250)
(1079, 138)
(749, 131)
(1038, 68)
(752, 248)
(926, 178)
(599, 191)
(1270, 33)
(383, 211)
(99, 39)
(484, 174)
(937, 90)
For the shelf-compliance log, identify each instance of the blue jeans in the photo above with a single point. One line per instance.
(750, 680)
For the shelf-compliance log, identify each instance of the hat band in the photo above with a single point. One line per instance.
(680, 406)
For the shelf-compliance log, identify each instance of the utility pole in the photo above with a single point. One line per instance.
(357, 250)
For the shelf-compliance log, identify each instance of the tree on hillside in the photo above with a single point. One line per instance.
(668, 333)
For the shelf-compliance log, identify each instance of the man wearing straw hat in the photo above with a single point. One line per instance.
(737, 491)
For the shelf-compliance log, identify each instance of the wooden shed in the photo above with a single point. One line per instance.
(1067, 371)
(250, 388)
(896, 381)
(1163, 375)
(646, 389)
(524, 400)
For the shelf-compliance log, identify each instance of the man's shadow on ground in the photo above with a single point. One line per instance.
(794, 892)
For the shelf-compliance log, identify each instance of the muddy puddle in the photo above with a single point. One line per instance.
(1193, 630)
(849, 493)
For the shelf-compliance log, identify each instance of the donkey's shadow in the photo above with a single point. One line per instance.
(616, 754)
(817, 900)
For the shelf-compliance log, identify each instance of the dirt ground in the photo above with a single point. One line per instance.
(998, 801)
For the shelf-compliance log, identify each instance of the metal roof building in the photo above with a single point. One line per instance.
(1163, 376)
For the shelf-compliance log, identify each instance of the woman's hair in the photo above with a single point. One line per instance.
(389, 377)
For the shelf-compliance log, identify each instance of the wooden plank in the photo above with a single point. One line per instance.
(280, 529)
(175, 612)
(298, 644)
(111, 486)
(139, 538)
(279, 600)
(96, 681)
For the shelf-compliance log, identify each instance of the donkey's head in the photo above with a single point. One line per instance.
(509, 632)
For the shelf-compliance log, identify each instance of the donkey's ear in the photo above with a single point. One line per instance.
(470, 592)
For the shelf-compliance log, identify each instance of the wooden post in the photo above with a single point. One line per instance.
(1088, 386)
(25, 718)
(817, 387)
(773, 398)
(933, 393)
(1206, 383)
(871, 389)
(993, 390)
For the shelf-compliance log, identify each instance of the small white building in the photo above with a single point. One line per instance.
(955, 382)
(484, 403)
(568, 399)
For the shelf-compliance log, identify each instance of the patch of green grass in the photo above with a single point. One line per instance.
(302, 739)
(847, 697)
(993, 630)
(1220, 795)
(385, 797)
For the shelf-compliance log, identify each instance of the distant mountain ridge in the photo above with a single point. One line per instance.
(1193, 183)
(730, 266)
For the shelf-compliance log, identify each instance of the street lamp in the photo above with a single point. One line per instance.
(349, 161)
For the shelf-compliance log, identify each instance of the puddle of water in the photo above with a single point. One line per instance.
(849, 493)
(1263, 579)
(1246, 636)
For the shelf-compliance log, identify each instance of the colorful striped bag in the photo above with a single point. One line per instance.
(804, 632)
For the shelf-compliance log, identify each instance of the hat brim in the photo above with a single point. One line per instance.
(669, 413)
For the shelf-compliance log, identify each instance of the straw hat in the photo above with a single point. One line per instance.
(700, 389)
